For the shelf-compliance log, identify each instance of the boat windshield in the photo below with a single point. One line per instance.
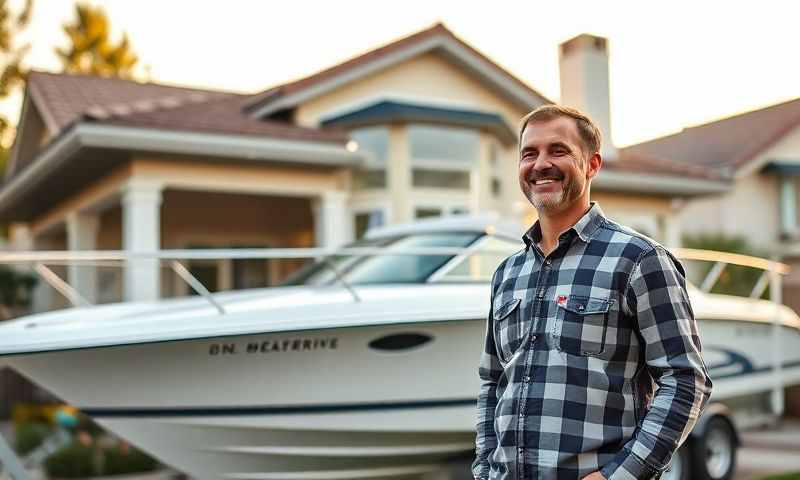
(385, 268)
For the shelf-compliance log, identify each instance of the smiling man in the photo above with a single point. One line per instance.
(584, 323)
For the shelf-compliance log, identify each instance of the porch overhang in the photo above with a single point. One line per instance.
(55, 174)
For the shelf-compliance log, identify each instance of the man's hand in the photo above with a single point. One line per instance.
(594, 476)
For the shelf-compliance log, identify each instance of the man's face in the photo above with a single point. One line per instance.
(554, 169)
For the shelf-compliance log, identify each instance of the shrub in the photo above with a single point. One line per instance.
(735, 279)
(30, 435)
(120, 461)
(73, 461)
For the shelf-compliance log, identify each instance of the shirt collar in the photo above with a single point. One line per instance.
(585, 227)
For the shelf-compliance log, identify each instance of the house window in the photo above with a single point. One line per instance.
(495, 167)
(426, 212)
(366, 220)
(373, 142)
(442, 157)
(430, 212)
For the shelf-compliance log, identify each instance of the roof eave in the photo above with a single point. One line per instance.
(221, 145)
(657, 184)
(87, 135)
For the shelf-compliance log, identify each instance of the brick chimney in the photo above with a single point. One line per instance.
(583, 67)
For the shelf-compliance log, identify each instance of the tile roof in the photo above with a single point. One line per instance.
(64, 99)
(647, 164)
(731, 142)
(376, 54)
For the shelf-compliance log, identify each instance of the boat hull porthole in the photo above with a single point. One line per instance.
(399, 342)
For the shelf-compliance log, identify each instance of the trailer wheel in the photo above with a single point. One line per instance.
(714, 452)
(679, 466)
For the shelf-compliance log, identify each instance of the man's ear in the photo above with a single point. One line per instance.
(594, 164)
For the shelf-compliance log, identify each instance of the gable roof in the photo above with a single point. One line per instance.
(727, 144)
(64, 99)
(436, 38)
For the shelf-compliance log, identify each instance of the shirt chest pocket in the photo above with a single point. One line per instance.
(509, 328)
(582, 324)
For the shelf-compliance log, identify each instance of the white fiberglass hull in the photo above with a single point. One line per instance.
(325, 404)
(316, 404)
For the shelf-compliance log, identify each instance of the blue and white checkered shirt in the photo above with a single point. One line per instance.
(576, 344)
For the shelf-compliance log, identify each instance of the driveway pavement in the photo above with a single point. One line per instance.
(768, 452)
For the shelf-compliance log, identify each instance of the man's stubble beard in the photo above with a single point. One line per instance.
(554, 202)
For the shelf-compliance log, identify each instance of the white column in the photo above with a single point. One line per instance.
(788, 206)
(399, 175)
(82, 231)
(141, 232)
(480, 191)
(332, 223)
(21, 239)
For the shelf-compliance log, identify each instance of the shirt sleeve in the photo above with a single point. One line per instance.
(489, 371)
(657, 298)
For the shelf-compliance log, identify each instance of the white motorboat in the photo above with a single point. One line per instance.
(364, 365)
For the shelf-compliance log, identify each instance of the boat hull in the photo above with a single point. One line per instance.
(359, 402)
(315, 404)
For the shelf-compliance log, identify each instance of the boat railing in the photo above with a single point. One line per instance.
(175, 258)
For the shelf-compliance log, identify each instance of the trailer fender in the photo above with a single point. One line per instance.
(715, 410)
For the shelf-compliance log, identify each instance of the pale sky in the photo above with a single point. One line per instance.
(672, 64)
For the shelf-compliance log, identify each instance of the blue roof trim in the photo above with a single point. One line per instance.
(390, 111)
(784, 168)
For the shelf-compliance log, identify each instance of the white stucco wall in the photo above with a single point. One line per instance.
(428, 78)
(749, 209)
(786, 150)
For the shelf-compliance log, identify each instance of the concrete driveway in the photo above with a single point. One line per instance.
(769, 452)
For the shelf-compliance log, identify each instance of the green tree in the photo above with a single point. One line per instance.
(12, 72)
(91, 50)
(735, 279)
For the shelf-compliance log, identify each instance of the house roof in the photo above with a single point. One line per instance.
(67, 101)
(729, 143)
(63, 99)
(376, 56)
(636, 162)
(384, 112)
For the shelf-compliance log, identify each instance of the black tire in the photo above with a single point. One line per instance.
(681, 465)
(714, 452)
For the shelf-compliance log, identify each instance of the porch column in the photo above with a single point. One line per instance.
(788, 206)
(398, 175)
(82, 231)
(332, 225)
(141, 232)
(21, 239)
(480, 177)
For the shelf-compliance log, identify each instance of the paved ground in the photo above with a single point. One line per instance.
(766, 452)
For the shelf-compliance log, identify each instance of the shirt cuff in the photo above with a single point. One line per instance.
(627, 466)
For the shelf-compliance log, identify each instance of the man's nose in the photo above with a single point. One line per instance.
(542, 163)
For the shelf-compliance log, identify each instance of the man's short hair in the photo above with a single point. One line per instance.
(588, 131)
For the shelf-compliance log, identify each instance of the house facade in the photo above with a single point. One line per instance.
(759, 151)
(423, 126)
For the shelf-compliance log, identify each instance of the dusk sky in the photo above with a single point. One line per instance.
(673, 64)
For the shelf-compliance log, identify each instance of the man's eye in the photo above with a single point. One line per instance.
(559, 152)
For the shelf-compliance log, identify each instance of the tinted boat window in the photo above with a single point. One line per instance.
(386, 268)
(480, 266)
